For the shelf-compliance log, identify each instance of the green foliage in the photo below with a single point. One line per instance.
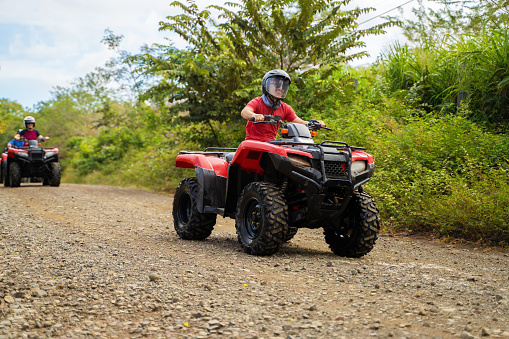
(11, 119)
(468, 76)
(455, 18)
(220, 71)
(295, 35)
(109, 146)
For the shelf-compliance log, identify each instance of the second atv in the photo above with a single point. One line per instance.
(30, 161)
(274, 188)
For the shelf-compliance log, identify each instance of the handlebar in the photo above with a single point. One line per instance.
(269, 119)
(313, 125)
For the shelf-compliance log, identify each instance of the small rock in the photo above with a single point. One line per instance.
(8, 299)
(153, 277)
(485, 332)
(466, 335)
(48, 323)
(37, 292)
(312, 308)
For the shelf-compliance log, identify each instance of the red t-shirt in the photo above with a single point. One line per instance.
(29, 135)
(267, 132)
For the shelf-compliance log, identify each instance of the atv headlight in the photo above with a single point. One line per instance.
(23, 154)
(298, 161)
(49, 154)
(358, 167)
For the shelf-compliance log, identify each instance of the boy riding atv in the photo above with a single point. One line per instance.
(274, 187)
(16, 143)
(275, 85)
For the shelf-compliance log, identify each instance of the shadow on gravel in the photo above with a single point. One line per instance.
(25, 186)
(227, 243)
(296, 250)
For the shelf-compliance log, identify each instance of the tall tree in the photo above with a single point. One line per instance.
(453, 18)
(221, 68)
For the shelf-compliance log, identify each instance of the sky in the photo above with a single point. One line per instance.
(45, 44)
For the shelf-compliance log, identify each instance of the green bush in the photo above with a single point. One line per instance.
(471, 73)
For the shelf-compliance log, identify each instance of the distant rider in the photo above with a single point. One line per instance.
(275, 85)
(29, 133)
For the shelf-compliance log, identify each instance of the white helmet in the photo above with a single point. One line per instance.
(29, 120)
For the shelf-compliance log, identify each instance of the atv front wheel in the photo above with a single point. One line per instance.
(261, 218)
(189, 223)
(354, 234)
(14, 174)
(56, 172)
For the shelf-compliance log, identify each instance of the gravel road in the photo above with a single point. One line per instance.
(82, 261)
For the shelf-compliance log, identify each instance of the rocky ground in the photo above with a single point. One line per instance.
(94, 261)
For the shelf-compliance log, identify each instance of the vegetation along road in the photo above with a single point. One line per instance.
(105, 262)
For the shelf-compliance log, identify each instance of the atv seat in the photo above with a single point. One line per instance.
(229, 156)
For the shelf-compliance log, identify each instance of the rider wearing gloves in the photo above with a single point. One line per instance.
(275, 86)
(29, 133)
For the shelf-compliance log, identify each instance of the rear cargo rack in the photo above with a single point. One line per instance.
(209, 151)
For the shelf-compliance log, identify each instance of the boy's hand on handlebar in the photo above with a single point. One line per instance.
(258, 117)
(315, 125)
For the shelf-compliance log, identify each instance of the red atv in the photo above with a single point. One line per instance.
(30, 161)
(274, 188)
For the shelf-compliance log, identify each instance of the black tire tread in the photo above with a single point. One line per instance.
(275, 222)
(56, 172)
(200, 225)
(366, 230)
(292, 231)
(14, 174)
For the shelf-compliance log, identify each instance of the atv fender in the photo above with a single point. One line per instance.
(211, 173)
(217, 165)
(211, 191)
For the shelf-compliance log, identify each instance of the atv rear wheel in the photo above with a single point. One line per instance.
(14, 174)
(355, 233)
(189, 223)
(5, 177)
(261, 218)
(55, 173)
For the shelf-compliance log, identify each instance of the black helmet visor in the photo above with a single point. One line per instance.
(278, 87)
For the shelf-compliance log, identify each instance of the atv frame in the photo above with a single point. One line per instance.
(274, 188)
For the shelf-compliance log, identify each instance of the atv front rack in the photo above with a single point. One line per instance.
(339, 145)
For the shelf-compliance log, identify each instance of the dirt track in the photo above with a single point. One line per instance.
(97, 261)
